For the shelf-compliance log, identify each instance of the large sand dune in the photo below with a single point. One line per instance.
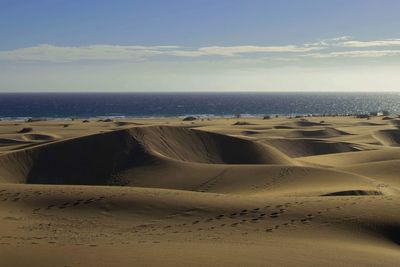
(278, 192)
(99, 158)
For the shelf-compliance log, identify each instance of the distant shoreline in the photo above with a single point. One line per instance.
(197, 116)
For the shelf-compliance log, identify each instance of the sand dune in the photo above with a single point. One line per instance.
(385, 171)
(319, 133)
(350, 158)
(204, 147)
(302, 123)
(283, 127)
(388, 137)
(310, 147)
(260, 180)
(355, 193)
(395, 122)
(124, 149)
(39, 137)
(366, 123)
(9, 141)
(195, 228)
(272, 192)
(126, 123)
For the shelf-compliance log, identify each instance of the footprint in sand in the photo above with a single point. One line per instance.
(274, 215)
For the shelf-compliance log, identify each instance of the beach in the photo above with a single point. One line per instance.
(279, 191)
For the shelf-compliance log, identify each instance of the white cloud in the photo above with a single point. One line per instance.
(235, 50)
(53, 53)
(341, 38)
(357, 53)
(310, 66)
(373, 43)
(347, 42)
(94, 52)
(342, 46)
(328, 42)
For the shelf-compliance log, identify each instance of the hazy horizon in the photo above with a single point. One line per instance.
(199, 46)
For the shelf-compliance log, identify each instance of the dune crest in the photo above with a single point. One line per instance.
(326, 132)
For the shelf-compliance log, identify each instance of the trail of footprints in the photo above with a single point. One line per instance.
(9, 196)
(282, 175)
(26, 195)
(207, 185)
(6, 196)
(265, 216)
(234, 219)
(245, 216)
(71, 204)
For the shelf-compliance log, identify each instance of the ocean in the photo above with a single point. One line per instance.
(140, 105)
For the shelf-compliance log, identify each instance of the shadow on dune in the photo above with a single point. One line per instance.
(389, 231)
(321, 133)
(392, 232)
(355, 193)
(389, 137)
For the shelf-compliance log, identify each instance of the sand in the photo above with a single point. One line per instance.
(219, 192)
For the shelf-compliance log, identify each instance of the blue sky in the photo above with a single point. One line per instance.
(203, 45)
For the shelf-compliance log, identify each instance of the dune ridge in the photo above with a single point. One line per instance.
(321, 133)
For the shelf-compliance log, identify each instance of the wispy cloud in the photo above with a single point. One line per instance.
(373, 43)
(235, 50)
(357, 53)
(343, 46)
(328, 42)
(116, 52)
(94, 52)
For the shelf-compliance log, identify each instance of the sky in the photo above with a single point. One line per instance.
(199, 45)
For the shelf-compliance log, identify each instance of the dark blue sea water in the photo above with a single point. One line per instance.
(83, 105)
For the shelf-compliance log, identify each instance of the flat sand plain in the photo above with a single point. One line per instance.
(219, 192)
